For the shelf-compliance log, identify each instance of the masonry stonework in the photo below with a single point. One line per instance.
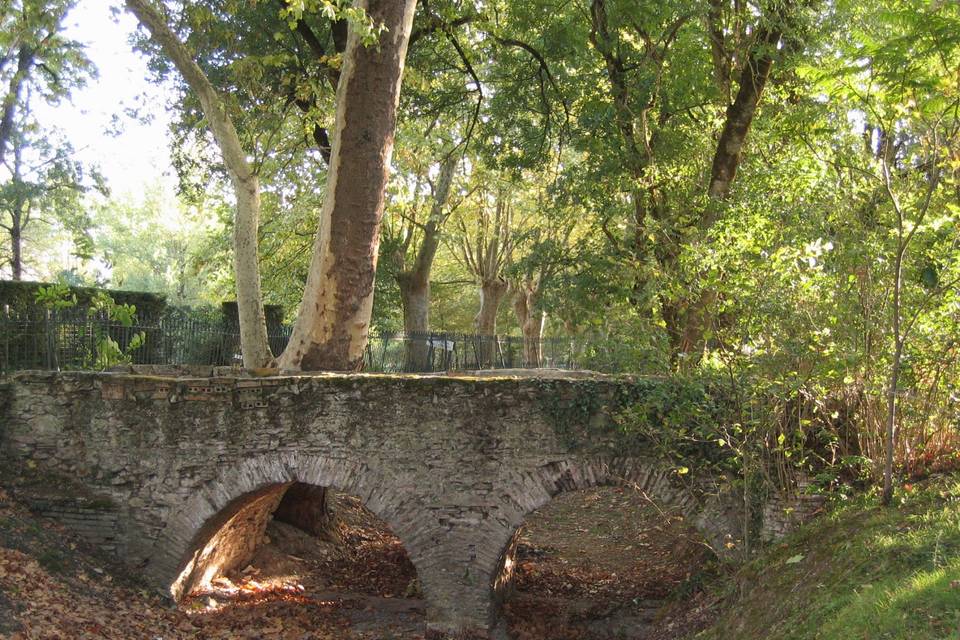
(180, 475)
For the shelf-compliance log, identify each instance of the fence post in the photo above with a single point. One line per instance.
(7, 330)
(50, 356)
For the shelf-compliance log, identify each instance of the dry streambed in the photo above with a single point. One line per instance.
(595, 564)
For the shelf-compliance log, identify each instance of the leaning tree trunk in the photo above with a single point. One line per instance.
(491, 294)
(740, 115)
(726, 159)
(334, 319)
(246, 186)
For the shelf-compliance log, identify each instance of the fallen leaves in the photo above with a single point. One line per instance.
(597, 555)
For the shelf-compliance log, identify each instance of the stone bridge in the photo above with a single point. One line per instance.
(177, 473)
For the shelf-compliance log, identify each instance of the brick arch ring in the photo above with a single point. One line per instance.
(176, 561)
(706, 505)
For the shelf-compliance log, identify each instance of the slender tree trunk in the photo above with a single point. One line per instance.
(334, 319)
(254, 342)
(16, 248)
(533, 339)
(246, 185)
(17, 216)
(16, 242)
(890, 439)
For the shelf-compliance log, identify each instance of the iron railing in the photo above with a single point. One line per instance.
(73, 339)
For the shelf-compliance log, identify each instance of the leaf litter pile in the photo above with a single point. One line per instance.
(595, 564)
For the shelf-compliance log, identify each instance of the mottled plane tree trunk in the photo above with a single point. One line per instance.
(333, 323)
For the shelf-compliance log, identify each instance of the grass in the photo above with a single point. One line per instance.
(863, 572)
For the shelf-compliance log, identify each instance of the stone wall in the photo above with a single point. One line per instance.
(452, 464)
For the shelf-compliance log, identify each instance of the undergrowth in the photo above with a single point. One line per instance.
(862, 572)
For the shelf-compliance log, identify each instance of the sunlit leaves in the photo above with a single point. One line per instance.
(333, 10)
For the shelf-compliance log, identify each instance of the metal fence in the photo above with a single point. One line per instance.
(74, 339)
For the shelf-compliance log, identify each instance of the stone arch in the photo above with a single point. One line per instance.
(706, 503)
(217, 501)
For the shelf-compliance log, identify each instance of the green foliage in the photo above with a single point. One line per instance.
(368, 31)
(684, 420)
(160, 245)
(56, 296)
(42, 184)
(106, 352)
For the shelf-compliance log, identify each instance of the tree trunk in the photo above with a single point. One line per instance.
(890, 439)
(726, 160)
(415, 299)
(491, 293)
(17, 216)
(16, 242)
(254, 342)
(246, 185)
(334, 318)
(415, 283)
(309, 508)
(740, 114)
(25, 59)
(531, 320)
(718, 48)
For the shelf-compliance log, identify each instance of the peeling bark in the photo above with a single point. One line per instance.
(334, 319)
